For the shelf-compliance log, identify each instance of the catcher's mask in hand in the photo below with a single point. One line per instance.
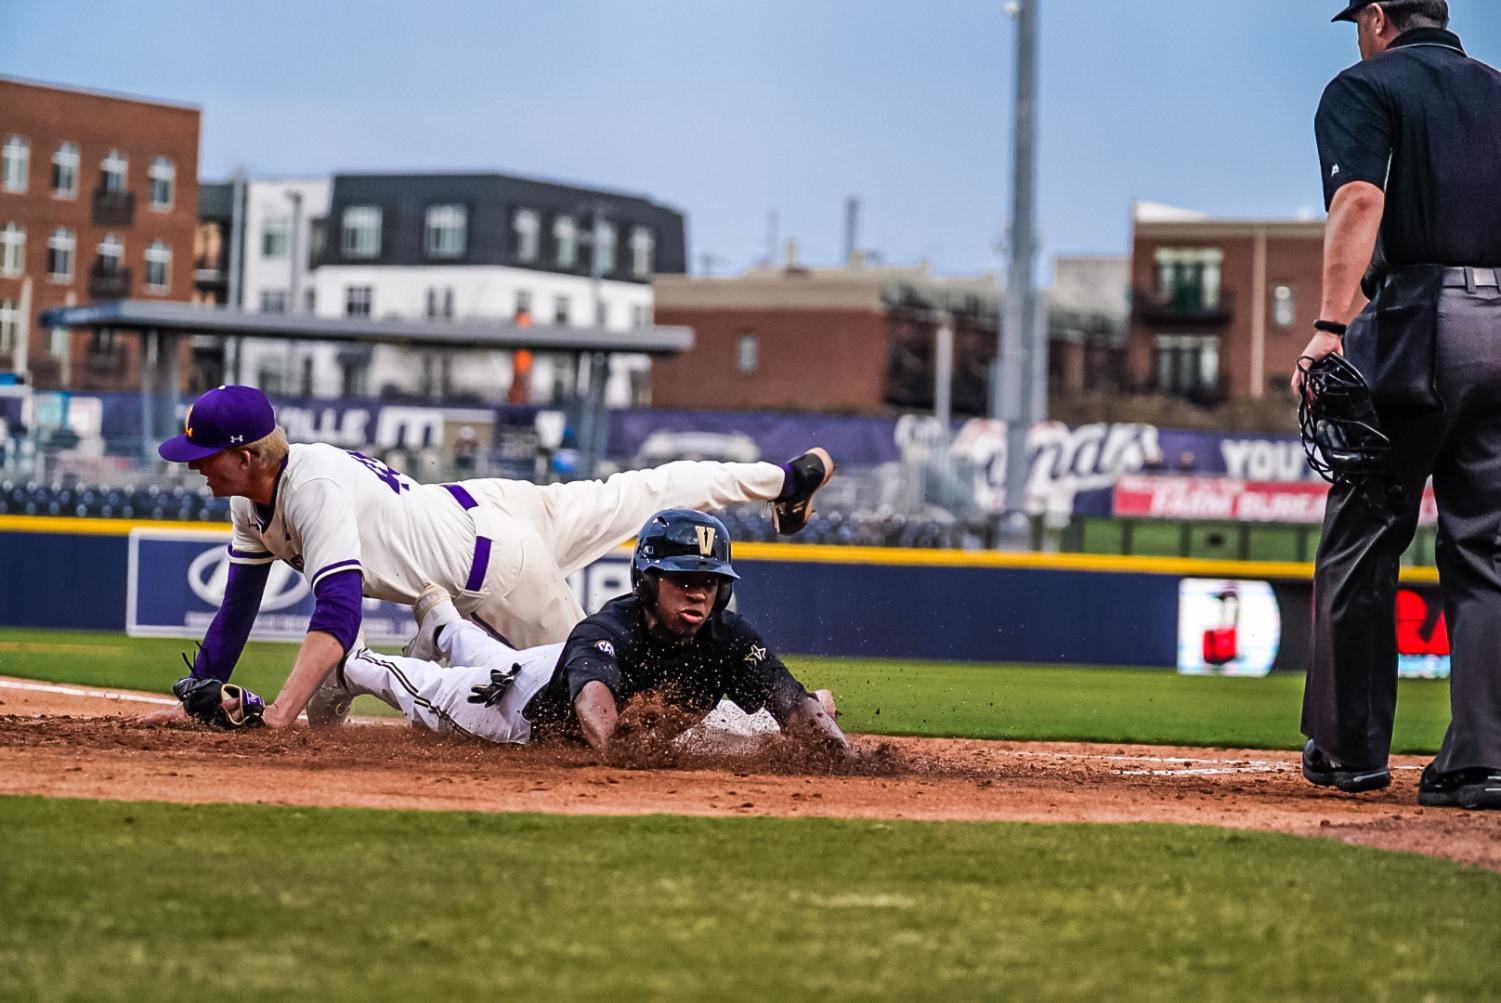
(1337, 421)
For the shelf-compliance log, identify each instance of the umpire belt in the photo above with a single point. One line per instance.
(1472, 278)
(482, 543)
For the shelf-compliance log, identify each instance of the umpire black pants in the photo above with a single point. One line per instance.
(1351, 692)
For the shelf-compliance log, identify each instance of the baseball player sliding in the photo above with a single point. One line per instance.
(502, 549)
(672, 637)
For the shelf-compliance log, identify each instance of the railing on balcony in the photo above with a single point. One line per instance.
(1186, 305)
(109, 282)
(113, 208)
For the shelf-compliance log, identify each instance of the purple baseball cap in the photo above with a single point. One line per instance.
(223, 418)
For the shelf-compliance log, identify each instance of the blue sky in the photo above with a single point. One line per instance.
(729, 109)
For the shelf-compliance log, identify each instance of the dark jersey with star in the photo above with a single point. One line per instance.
(726, 659)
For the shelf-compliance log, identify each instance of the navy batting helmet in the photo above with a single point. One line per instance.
(680, 540)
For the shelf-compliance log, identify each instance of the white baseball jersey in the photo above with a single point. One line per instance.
(336, 511)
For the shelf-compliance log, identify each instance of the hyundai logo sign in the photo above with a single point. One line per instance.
(209, 573)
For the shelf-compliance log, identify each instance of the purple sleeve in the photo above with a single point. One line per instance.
(226, 635)
(338, 609)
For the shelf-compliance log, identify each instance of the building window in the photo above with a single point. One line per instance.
(523, 305)
(560, 311)
(361, 231)
(604, 248)
(1189, 279)
(113, 170)
(1187, 365)
(747, 353)
(60, 248)
(12, 249)
(276, 236)
(158, 265)
(10, 326)
(65, 163)
(446, 233)
(273, 301)
(111, 254)
(643, 250)
(1284, 307)
(357, 301)
(310, 301)
(565, 234)
(439, 304)
(528, 229)
(601, 313)
(640, 316)
(16, 159)
(163, 175)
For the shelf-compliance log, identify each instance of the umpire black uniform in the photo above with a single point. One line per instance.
(1422, 121)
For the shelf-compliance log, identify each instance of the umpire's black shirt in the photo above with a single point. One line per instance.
(1423, 122)
(726, 658)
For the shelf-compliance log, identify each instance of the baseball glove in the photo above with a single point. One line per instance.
(223, 705)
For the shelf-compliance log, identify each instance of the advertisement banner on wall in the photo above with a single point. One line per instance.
(1248, 628)
(1223, 498)
(175, 583)
(1227, 627)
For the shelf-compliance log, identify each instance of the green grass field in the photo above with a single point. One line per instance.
(119, 901)
(875, 697)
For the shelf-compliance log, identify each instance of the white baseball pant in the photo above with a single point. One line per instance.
(539, 535)
(437, 698)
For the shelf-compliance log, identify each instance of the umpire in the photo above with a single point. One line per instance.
(1410, 145)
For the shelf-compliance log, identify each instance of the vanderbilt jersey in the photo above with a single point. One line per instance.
(726, 659)
(334, 511)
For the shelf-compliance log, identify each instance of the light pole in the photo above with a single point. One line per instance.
(1008, 383)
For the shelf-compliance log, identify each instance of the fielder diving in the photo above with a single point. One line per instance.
(503, 549)
(672, 637)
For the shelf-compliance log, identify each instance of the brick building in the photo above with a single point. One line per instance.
(1220, 307)
(861, 339)
(98, 201)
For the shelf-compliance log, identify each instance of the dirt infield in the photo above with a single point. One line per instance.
(76, 742)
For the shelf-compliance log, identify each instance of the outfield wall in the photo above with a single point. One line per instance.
(165, 579)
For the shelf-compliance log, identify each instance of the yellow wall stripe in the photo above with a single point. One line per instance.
(1192, 567)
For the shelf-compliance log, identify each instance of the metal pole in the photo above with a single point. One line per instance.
(943, 372)
(233, 291)
(294, 294)
(1008, 394)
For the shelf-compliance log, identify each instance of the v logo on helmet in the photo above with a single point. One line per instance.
(705, 540)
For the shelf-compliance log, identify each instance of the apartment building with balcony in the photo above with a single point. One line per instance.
(1220, 308)
(98, 201)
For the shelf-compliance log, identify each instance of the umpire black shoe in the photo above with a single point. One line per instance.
(1474, 788)
(1322, 771)
(805, 475)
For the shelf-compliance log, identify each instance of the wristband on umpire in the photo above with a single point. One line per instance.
(1333, 327)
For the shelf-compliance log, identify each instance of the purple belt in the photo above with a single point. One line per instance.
(481, 543)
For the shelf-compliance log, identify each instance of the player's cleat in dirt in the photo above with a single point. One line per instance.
(1473, 788)
(329, 705)
(1322, 771)
(805, 475)
(433, 608)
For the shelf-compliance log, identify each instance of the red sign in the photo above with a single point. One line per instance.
(1224, 498)
(1421, 629)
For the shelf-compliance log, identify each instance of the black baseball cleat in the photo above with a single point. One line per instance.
(1322, 771)
(805, 475)
(1473, 788)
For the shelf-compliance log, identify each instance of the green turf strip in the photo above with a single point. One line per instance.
(123, 901)
(875, 697)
